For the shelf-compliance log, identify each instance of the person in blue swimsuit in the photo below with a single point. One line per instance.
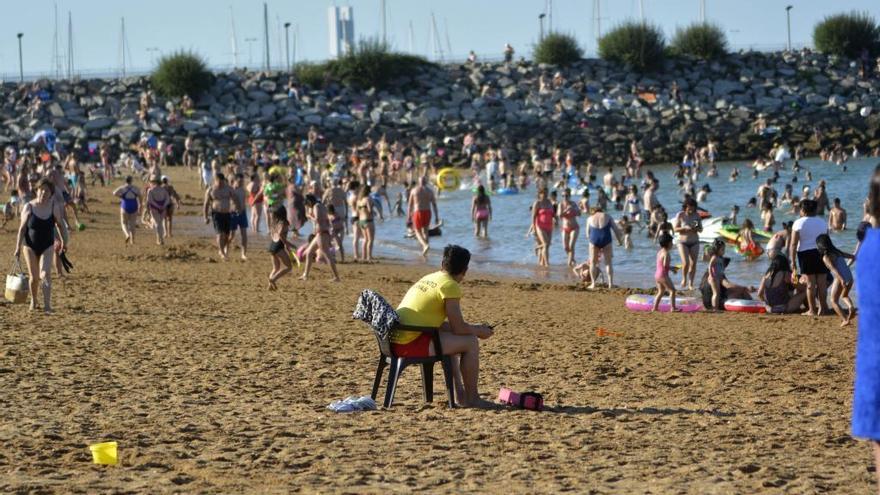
(600, 226)
(866, 396)
(129, 206)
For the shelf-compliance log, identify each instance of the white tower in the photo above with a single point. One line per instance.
(341, 29)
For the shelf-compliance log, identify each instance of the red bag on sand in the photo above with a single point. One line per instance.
(526, 400)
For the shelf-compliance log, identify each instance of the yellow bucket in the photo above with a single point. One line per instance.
(104, 453)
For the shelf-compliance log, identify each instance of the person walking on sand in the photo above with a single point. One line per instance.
(173, 206)
(129, 206)
(435, 301)
(279, 247)
(219, 200)
(835, 261)
(36, 234)
(661, 273)
(239, 218)
(421, 202)
(803, 252)
(158, 200)
(317, 213)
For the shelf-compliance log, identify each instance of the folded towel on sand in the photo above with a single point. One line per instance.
(353, 403)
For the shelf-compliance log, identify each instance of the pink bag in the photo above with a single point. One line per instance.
(526, 400)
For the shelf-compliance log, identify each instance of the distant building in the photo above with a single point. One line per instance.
(341, 30)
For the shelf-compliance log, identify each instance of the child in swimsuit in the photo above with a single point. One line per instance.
(746, 243)
(279, 247)
(627, 228)
(481, 212)
(661, 273)
(835, 260)
(716, 275)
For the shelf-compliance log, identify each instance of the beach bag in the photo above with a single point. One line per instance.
(16, 284)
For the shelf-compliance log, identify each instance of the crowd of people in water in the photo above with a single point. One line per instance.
(342, 192)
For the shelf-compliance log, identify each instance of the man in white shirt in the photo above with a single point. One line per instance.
(803, 252)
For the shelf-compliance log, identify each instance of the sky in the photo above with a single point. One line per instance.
(155, 27)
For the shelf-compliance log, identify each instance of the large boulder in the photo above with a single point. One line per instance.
(99, 123)
(438, 92)
(768, 103)
(313, 119)
(259, 96)
(55, 109)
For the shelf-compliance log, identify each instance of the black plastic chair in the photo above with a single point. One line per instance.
(397, 364)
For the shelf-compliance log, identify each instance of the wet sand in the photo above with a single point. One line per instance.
(212, 384)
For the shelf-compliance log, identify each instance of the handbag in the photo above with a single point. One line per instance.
(16, 284)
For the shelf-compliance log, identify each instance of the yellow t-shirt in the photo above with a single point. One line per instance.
(424, 304)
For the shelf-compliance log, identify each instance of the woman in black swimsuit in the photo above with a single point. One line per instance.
(37, 232)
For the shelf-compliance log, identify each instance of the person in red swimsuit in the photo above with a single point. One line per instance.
(421, 201)
(568, 211)
(543, 215)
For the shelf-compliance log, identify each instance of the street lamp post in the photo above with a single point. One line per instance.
(20, 64)
(250, 42)
(541, 26)
(788, 21)
(287, 44)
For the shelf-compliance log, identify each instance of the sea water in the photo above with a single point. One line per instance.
(509, 252)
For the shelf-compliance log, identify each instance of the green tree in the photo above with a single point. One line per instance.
(701, 40)
(636, 44)
(181, 73)
(847, 35)
(557, 49)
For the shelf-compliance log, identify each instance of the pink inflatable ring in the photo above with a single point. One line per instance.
(644, 302)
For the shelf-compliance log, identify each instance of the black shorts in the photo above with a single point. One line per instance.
(810, 262)
(276, 247)
(706, 295)
(222, 222)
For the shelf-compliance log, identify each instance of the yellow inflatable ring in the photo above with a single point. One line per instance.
(279, 170)
(448, 179)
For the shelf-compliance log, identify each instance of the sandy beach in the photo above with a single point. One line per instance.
(212, 384)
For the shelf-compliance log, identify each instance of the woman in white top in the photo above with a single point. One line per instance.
(803, 252)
